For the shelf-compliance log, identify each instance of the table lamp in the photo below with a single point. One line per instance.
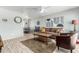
(75, 22)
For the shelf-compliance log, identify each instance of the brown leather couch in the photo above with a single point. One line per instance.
(54, 31)
(67, 41)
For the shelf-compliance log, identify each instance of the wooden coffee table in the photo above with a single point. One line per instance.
(44, 37)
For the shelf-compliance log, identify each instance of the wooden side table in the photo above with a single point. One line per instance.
(1, 44)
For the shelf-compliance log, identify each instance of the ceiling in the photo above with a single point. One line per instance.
(34, 11)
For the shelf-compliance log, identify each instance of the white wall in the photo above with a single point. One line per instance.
(10, 29)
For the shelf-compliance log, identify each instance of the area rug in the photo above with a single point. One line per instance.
(39, 47)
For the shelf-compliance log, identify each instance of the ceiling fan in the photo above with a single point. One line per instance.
(44, 9)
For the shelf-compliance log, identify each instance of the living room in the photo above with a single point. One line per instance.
(29, 29)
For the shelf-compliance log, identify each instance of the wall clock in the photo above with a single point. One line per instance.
(17, 19)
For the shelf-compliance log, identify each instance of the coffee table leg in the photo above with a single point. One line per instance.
(34, 35)
(47, 41)
(0, 50)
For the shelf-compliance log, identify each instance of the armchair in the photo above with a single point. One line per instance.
(66, 41)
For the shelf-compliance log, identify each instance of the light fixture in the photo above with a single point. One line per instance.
(42, 10)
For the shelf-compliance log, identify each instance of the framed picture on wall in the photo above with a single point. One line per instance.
(62, 19)
(56, 20)
(4, 20)
(51, 23)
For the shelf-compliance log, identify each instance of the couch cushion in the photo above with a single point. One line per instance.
(42, 29)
